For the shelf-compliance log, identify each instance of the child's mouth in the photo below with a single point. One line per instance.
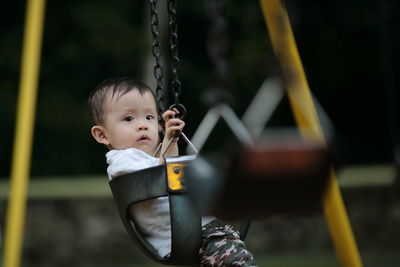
(144, 138)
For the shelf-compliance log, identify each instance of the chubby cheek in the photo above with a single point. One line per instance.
(123, 140)
(157, 135)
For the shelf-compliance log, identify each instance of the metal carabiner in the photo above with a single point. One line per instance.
(181, 108)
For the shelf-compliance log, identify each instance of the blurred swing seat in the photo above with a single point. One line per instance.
(279, 175)
(160, 181)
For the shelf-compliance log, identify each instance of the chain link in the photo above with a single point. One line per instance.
(176, 85)
(218, 42)
(156, 50)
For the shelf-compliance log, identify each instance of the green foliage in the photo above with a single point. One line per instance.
(88, 41)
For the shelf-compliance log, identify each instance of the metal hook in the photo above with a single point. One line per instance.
(181, 134)
(181, 108)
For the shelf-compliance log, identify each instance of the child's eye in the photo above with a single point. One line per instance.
(128, 118)
(149, 117)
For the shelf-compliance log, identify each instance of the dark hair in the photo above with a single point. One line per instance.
(115, 87)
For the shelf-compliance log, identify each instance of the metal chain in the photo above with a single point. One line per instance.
(176, 85)
(156, 50)
(218, 45)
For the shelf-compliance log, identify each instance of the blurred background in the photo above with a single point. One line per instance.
(348, 50)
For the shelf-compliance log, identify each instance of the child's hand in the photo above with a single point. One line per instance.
(172, 125)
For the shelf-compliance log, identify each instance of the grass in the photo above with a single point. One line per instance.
(369, 259)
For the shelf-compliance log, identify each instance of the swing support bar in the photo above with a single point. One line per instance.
(300, 98)
(24, 132)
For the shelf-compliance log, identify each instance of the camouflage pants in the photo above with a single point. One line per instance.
(221, 246)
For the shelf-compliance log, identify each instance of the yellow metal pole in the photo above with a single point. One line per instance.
(285, 48)
(23, 133)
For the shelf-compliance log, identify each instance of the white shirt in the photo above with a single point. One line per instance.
(128, 160)
(152, 216)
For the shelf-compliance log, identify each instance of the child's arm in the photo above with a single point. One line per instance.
(172, 125)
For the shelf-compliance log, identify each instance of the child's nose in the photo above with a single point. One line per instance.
(142, 126)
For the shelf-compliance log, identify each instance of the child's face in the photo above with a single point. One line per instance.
(131, 122)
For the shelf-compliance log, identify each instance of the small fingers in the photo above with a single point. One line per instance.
(172, 126)
(174, 123)
(169, 114)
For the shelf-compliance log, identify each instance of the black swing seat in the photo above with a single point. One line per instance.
(279, 175)
(154, 182)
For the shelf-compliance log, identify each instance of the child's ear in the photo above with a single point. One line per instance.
(98, 133)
